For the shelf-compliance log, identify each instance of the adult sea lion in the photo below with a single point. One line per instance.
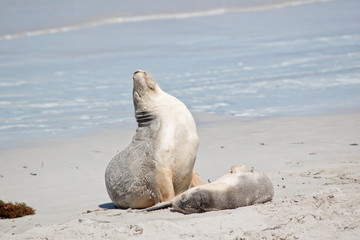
(241, 187)
(159, 162)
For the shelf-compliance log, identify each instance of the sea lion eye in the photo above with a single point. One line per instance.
(150, 84)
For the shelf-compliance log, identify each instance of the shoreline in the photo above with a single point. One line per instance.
(202, 119)
(304, 157)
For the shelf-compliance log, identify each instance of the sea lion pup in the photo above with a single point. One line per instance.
(159, 161)
(241, 187)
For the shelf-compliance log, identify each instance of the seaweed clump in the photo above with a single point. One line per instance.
(11, 210)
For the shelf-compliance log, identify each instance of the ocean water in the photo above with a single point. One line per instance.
(66, 66)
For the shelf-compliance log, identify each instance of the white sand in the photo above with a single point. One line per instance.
(315, 170)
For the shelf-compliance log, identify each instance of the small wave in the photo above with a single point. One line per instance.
(215, 105)
(327, 39)
(112, 21)
(7, 127)
(12, 84)
(275, 6)
(183, 15)
(3, 103)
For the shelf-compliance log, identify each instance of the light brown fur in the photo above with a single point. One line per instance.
(159, 162)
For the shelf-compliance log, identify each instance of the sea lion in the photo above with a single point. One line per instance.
(159, 161)
(241, 187)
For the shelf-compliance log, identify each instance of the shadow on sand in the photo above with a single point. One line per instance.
(109, 205)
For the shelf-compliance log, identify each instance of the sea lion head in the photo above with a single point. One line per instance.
(145, 94)
(240, 168)
(145, 87)
(194, 200)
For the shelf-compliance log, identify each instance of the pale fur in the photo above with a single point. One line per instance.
(159, 162)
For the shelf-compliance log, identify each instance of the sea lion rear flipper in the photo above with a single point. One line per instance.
(196, 180)
(158, 206)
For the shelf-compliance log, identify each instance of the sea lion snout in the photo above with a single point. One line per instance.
(138, 71)
(139, 76)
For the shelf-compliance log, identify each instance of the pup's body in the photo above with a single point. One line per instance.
(241, 187)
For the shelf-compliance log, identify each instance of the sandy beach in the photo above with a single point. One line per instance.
(272, 84)
(314, 163)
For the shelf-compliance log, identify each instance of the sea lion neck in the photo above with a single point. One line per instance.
(144, 118)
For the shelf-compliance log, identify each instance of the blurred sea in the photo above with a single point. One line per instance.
(66, 66)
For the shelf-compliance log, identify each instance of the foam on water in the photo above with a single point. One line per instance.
(153, 17)
(112, 21)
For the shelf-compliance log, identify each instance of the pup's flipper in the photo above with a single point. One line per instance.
(158, 206)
